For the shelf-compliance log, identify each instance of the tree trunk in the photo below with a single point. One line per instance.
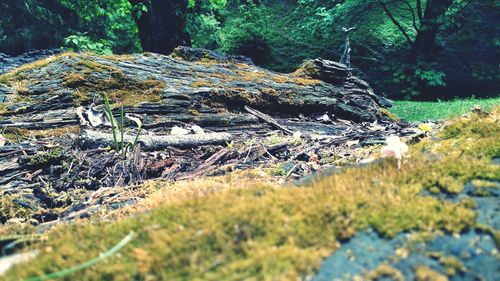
(161, 27)
(425, 42)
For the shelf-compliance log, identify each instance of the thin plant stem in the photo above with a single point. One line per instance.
(110, 115)
(136, 138)
(122, 131)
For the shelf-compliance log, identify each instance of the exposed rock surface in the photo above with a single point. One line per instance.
(471, 255)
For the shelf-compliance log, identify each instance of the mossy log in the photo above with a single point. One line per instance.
(250, 117)
(191, 85)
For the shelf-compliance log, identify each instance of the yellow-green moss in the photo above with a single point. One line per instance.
(423, 273)
(387, 113)
(20, 87)
(121, 90)
(231, 228)
(93, 65)
(383, 272)
(484, 126)
(14, 134)
(452, 265)
(45, 157)
(194, 112)
(202, 83)
(120, 58)
(295, 79)
(6, 77)
(9, 209)
(3, 109)
(482, 187)
(73, 79)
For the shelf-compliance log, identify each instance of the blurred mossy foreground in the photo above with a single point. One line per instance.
(244, 226)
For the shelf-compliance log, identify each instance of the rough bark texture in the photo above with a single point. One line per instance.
(210, 92)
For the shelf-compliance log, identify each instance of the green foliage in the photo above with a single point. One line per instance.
(247, 33)
(204, 30)
(293, 31)
(280, 34)
(84, 43)
(431, 77)
(33, 24)
(47, 157)
(109, 20)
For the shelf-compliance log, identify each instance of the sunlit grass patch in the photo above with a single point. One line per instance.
(415, 111)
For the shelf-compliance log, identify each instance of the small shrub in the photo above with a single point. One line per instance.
(80, 42)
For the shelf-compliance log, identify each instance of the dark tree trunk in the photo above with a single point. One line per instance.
(425, 42)
(161, 27)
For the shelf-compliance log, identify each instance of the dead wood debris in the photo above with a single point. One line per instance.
(58, 178)
(195, 118)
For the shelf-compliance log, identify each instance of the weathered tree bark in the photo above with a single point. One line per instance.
(211, 92)
(161, 27)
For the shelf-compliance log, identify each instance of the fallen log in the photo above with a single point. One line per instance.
(229, 96)
(188, 85)
(94, 139)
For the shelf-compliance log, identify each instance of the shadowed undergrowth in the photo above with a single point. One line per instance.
(244, 227)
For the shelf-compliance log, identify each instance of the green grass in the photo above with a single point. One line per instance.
(416, 111)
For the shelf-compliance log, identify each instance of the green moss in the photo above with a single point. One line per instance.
(46, 157)
(93, 65)
(423, 273)
(122, 90)
(388, 114)
(17, 73)
(483, 127)
(233, 230)
(74, 80)
(452, 265)
(384, 272)
(10, 209)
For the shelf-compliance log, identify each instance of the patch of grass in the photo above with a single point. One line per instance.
(235, 228)
(415, 111)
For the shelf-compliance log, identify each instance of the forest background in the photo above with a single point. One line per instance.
(406, 49)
